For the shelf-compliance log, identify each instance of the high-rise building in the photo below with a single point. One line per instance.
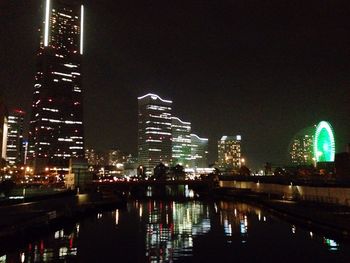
(154, 131)
(15, 147)
(199, 151)
(181, 142)
(3, 131)
(56, 126)
(301, 147)
(229, 152)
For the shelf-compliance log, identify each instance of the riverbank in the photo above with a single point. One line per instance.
(37, 216)
(331, 219)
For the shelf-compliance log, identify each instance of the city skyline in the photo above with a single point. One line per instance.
(244, 76)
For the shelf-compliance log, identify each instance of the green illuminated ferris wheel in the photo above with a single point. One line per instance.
(324, 142)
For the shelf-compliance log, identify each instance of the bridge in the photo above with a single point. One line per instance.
(159, 187)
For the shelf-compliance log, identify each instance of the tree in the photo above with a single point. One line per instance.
(178, 172)
(160, 171)
(244, 170)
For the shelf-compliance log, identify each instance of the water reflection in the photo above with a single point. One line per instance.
(171, 228)
(173, 231)
(59, 245)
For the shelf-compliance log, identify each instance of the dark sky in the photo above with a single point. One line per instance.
(262, 69)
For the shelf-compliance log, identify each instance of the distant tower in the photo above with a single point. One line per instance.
(15, 149)
(181, 142)
(56, 126)
(154, 131)
(199, 151)
(301, 147)
(229, 152)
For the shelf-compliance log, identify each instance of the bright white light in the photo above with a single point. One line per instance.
(183, 122)
(47, 22)
(81, 29)
(154, 96)
(202, 139)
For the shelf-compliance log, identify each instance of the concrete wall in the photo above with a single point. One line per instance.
(333, 195)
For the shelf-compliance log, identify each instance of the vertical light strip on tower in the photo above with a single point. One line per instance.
(47, 22)
(81, 29)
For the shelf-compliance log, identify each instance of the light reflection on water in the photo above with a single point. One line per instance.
(173, 238)
(175, 231)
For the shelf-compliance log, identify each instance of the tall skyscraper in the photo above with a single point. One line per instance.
(181, 142)
(229, 152)
(154, 131)
(301, 147)
(199, 151)
(56, 126)
(15, 147)
(3, 131)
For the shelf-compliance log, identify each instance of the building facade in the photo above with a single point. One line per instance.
(181, 142)
(154, 131)
(56, 126)
(300, 149)
(229, 152)
(15, 149)
(3, 131)
(199, 151)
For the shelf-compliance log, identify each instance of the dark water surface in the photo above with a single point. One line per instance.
(192, 231)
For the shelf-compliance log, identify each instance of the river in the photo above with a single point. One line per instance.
(188, 231)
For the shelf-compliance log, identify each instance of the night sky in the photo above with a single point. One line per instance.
(262, 69)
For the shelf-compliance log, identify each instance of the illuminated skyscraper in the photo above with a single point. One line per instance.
(229, 152)
(199, 151)
(3, 131)
(56, 126)
(154, 131)
(301, 147)
(181, 142)
(15, 148)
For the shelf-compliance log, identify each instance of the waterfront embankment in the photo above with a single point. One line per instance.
(320, 206)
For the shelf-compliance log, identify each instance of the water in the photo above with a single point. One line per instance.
(193, 231)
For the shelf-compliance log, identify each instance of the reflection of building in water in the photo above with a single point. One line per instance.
(234, 218)
(331, 244)
(171, 228)
(58, 247)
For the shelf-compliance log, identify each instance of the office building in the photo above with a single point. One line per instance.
(199, 151)
(154, 131)
(229, 152)
(3, 131)
(56, 127)
(181, 142)
(301, 147)
(15, 145)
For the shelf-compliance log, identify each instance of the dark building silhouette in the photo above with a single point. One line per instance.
(56, 127)
(342, 165)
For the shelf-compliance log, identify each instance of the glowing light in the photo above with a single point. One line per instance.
(324, 143)
(183, 122)
(81, 29)
(154, 97)
(195, 135)
(47, 21)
